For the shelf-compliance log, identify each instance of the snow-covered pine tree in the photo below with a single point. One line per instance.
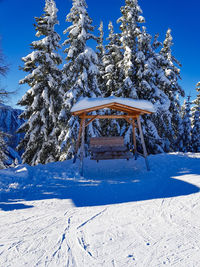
(184, 138)
(183, 107)
(105, 124)
(143, 76)
(130, 29)
(81, 70)
(196, 102)
(101, 53)
(113, 73)
(195, 139)
(43, 100)
(149, 80)
(100, 39)
(111, 77)
(173, 90)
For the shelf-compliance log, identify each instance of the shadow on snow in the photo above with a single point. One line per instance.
(109, 182)
(14, 206)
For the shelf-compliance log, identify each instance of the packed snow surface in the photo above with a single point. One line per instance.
(85, 103)
(118, 214)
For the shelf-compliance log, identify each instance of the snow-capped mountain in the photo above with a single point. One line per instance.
(9, 123)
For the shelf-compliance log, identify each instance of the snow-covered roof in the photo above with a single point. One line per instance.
(88, 103)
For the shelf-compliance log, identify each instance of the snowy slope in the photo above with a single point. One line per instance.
(117, 215)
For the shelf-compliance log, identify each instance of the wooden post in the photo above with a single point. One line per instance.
(82, 146)
(78, 141)
(143, 143)
(134, 138)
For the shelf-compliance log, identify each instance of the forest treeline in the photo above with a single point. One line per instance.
(128, 63)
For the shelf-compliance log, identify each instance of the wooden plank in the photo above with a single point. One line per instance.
(104, 156)
(107, 141)
(107, 138)
(115, 153)
(96, 149)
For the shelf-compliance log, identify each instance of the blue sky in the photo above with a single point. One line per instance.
(17, 32)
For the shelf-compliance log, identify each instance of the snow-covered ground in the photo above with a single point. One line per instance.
(117, 215)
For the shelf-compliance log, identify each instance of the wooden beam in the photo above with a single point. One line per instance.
(78, 112)
(131, 109)
(128, 120)
(113, 105)
(82, 146)
(128, 110)
(78, 141)
(92, 119)
(107, 116)
(143, 143)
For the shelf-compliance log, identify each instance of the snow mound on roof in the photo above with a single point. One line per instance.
(85, 103)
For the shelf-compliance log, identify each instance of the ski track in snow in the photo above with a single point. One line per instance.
(152, 232)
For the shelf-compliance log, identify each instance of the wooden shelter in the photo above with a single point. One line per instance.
(131, 112)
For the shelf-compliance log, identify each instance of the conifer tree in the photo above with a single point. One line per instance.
(196, 122)
(81, 70)
(143, 76)
(195, 138)
(112, 60)
(149, 81)
(196, 102)
(184, 139)
(111, 77)
(173, 90)
(130, 29)
(100, 46)
(43, 100)
(101, 55)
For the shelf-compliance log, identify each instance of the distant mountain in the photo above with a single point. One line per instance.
(9, 123)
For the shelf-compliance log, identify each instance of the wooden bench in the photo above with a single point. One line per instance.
(103, 148)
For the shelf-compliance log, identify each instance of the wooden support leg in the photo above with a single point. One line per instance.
(78, 141)
(143, 143)
(134, 139)
(82, 146)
